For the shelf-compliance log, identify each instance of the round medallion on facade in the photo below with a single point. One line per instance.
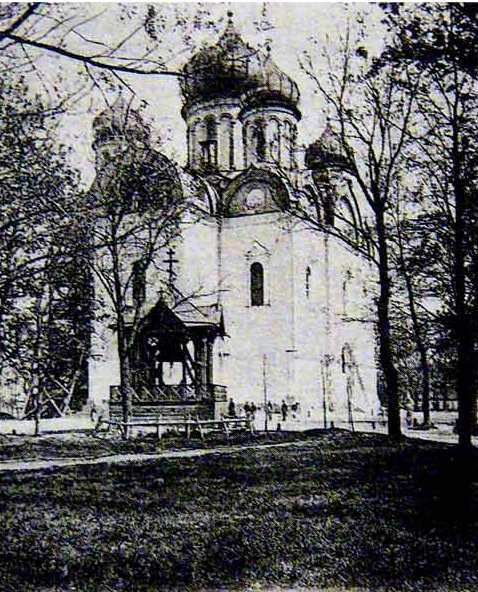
(255, 198)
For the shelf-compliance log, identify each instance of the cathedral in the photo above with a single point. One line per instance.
(270, 307)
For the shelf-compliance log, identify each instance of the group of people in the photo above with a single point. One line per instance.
(250, 409)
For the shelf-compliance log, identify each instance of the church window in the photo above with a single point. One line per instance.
(195, 145)
(290, 133)
(275, 149)
(209, 145)
(257, 284)
(347, 358)
(231, 144)
(293, 163)
(308, 274)
(260, 141)
(139, 283)
(345, 291)
(245, 145)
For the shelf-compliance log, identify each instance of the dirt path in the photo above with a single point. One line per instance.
(125, 458)
(58, 463)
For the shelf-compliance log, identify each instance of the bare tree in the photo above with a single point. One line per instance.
(96, 47)
(408, 259)
(441, 41)
(37, 191)
(133, 212)
(356, 164)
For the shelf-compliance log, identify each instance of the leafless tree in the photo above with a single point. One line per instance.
(356, 164)
(133, 212)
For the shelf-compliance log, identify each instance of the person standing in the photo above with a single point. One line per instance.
(269, 411)
(253, 411)
(232, 408)
(93, 413)
(284, 410)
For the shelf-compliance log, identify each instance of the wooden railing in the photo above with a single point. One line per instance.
(187, 426)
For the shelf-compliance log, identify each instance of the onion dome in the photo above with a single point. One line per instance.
(273, 87)
(326, 152)
(120, 121)
(232, 68)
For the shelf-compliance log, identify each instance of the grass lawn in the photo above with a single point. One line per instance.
(338, 510)
(84, 446)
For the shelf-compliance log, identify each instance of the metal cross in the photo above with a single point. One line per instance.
(170, 261)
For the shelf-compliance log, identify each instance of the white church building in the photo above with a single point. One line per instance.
(281, 309)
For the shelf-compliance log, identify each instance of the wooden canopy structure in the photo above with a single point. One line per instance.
(184, 336)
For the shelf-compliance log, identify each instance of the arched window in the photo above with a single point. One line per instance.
(274, 142)
(287, 135)
(308, 274)
(209, 145)
(347, 358)
(346, 291)
(211, 129)
(195, 137)
(257, 284)
(260, 141)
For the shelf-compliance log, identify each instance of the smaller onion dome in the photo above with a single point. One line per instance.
(326, 152)
(120, 121)
(274, 87)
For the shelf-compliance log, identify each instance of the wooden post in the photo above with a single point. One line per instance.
(250, 425)
(225, 427)
(98, 424)
(204, 362)
(200, 361)
(349, 403)
(209, 360)
(159, 372)
(201, 433)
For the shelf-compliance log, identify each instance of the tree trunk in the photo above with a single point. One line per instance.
(425, 384)
(421, 348)
(384, 333)
(465, 385)
(465, 389)
(419, 342)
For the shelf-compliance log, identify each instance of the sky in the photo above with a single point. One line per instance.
(290, 27)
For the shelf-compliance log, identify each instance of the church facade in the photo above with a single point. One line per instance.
(276, 308)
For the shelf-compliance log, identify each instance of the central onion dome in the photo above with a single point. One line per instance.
(232, 68)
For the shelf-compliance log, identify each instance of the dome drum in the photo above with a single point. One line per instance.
(268, 98)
